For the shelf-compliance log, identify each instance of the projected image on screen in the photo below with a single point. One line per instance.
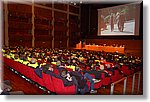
(119, 20)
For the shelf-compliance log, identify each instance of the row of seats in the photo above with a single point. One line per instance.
(51, 83)
(56, 85)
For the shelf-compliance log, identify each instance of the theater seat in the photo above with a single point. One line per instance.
(105, 80)
(47, 80)
(34, 77)
(61, 89)
(24, 69)
(126, 70)
(116, 76)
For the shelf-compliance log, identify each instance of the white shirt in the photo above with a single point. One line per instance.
(1, 90)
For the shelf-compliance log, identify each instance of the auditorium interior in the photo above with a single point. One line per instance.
(72, 48)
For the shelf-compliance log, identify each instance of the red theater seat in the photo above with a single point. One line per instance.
(105, 80)
(34, 77)
(126, 70)
(24, 70)
(96, 85)
(61, 89)
(116, 76)
(47, 80)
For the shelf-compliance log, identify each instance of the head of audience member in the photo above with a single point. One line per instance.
(51, 68)
(92, 67)
(46, 68)
(77, 68)
(97, 63)
(102, 67)
(74, 62)
(33, 60)
(63, 73)
(21, 56)
(58, 63)
(16, 56)
(55, 59)
(108, 65)
(7, 51)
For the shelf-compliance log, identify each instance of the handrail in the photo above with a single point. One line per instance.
(119, 80)
(112, 85)
(125, 79)
(133, 80)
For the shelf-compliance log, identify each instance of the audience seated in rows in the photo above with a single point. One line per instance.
(84, 62)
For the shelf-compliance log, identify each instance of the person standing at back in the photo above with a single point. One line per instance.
(112, 22)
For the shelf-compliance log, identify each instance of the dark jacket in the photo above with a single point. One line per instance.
(79, 77)
(38, 72)
(50, 73)
(65, 81)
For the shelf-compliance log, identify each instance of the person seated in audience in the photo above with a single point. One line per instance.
(38, 70)
(97, 64)
(59, 57)
(58, 63)
(68, 60)
(33, 60)
(59, 66)
(98, 73)
(81, 77)
(73, 62)
(82, 83)
(49, 59)
(75, 58)
(23, 56)
(117, 66)
(48, 69)
(16, 56)
(108, 68)
(68, 80)
(6, 89)
(55, 58)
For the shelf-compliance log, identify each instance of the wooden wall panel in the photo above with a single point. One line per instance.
(73, 9)
(20, 8)
(61, 6)
(60, 15)
(43, 13)
(43, 44)
(48, 4)
(45, 26)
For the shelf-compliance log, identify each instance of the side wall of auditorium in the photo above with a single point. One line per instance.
(47, 25)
